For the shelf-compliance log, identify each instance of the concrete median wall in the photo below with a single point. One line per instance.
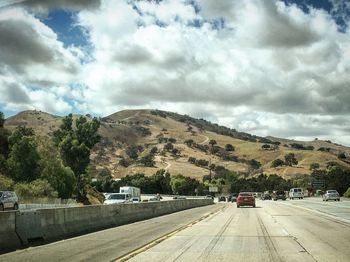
(8, 237)
(60, 223)
(66, 222)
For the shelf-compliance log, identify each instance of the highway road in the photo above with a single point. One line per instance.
(298, 230)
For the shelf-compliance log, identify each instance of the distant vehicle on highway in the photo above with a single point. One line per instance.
(233, 197)
(209, 196)
(153, 199)
(256, 194)
(331, 195)
(222, 199)
(8, 200)
(118, 198)
(179, 197)
(279, 194)
(245, 199)
(296, 193)
(265, 196)
(134, 192)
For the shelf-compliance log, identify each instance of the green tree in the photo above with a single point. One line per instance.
(172, 140)
(189, 142)
(132, 152)
(338, 178)
(212, 142)
(60, 177)
(4, 136)
(277, 162)
(168, 146)
(23, 160)
(161, 180)
(314, 166)
(290, 159)
(148, 160)
(154, 150)
(183, 185)
(175, 152)
(347, 193)
(229, 147)
(192, 160)
(75, 145)
(254, 164)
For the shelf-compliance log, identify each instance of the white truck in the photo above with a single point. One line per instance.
(127, 194)
(134, 192)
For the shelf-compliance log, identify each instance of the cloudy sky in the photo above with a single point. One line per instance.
(269, 67)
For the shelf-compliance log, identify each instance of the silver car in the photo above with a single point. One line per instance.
(8, 200)
(331, 195)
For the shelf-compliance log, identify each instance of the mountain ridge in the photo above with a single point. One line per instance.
(152, 128)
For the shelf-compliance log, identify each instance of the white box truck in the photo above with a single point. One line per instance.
(134, 192)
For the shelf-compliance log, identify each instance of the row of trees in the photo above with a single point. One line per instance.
(52, 167)
(160, 182)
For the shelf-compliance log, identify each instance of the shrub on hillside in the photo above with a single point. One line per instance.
(277, 162)
(123, 162)
(254, 164)
(314, 166)
(229, 147)
(148, 160)
(266, 146)
(297, 146)
(192, 160)
(342, 155)
(154, 150)
(202, 162)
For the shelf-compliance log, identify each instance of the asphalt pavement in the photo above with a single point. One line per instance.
(274, 231)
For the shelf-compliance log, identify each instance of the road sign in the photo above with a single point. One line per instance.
(213, 189)
(318, 184)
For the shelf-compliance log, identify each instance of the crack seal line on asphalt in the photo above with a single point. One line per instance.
(162, 238)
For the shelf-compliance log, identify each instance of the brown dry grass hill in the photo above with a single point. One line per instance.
(147, 127)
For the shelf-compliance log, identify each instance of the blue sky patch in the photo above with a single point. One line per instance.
(62, 22)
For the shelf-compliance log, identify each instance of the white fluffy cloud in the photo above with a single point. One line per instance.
(32, 63)
(258, 66)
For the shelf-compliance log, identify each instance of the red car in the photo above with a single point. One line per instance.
(245, 199)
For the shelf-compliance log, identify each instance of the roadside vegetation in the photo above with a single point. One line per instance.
(36, 166)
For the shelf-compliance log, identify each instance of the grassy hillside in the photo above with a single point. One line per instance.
(147, 127)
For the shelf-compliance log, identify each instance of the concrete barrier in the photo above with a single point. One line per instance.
(58, 223)
(8, 237)
(67, 222)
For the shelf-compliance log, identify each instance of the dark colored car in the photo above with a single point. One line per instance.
(266, 196)
(222, 199)
(233, 197)
(245, 199)
(279, 194)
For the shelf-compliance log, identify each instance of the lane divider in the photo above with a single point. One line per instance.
(164, 237)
